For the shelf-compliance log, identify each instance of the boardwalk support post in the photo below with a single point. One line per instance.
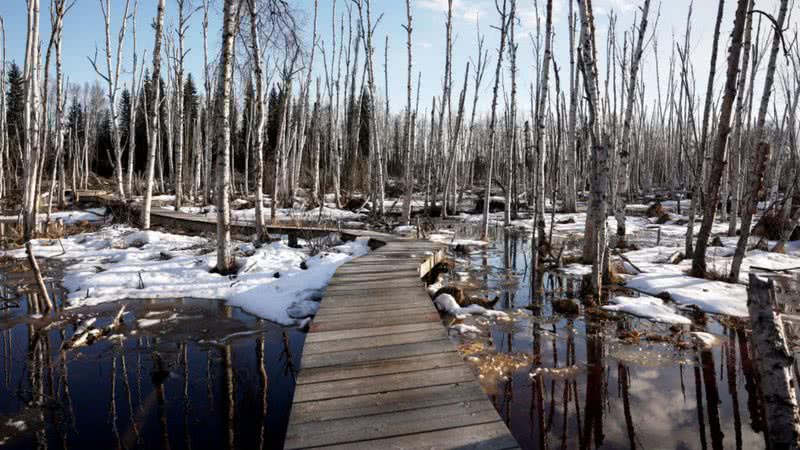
(774, 365)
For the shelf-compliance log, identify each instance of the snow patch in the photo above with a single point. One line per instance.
(647, 307)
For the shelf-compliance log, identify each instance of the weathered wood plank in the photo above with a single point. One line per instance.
(340, 431)
(488, 436)
(324, 336)
(383, 383)
(374, 342)
(385, 402)
(387, 367)
(353, 307)
(432, 316)
(438, 345)
(373, 315)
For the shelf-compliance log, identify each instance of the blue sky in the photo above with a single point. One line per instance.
(84, 31)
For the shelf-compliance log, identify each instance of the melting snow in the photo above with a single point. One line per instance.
(121, 262)
(648, 307)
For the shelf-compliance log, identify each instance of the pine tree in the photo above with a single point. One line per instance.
(15, 106)
(124, 118)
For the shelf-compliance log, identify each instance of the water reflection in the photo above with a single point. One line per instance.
(602, 380)
(180, 384)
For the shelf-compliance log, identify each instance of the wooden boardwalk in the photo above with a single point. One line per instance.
(378, 369)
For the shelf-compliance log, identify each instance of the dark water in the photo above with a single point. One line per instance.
(178, 384)
(609, 380)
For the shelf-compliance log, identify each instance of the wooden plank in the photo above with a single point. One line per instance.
(432, 316)
(374, 342)
(376, 368)
(370, 315)
(383, 383)
(487, 436)
(340, 431)
(437, 345)
(399, 305)
(365, 332)
(385, 402)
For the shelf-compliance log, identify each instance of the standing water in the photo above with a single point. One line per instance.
(589, 378)
(177, 374)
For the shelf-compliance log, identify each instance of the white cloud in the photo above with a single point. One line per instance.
(466, 10)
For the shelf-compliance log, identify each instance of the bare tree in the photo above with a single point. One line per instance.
(154, 113)
(723, 130)
(624, 154)
(760, 155)
(111, 77)
(493, 117)
(225, 261)
(408, 183)
(260, 119)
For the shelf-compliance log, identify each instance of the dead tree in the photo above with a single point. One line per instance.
(774, 363)
(760, 157)
(736, 140)
(408, 184)
(260, 119)
(723, 130)
(153, 131)
(493, 117)
(225, 261)
(111, 77)
(539, 154)
(134, 103)
(625, 151)
(599, 158)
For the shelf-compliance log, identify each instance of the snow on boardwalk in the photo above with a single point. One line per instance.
(378, 369)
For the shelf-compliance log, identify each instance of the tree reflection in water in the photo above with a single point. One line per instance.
(608, 390)
(179, 385)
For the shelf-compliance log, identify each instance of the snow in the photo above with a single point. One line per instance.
(91, 215)
(18, 424)
(448, 304)
(120, 262)
(282, 214)
(705, 339)
(464, 329)
(645, 306)
(715, 297)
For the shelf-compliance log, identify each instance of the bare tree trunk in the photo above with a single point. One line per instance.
(225, 261)
(723, 130)
(408, 184)
(154, 113)
(774, 363)
(260, 116)
(209, 109)
(624, 155)
(599, 171)
(183, 19)
(570, 194)
(493, 120)
(761, 155)
(538, 142)
(111, 76)
(736, 149)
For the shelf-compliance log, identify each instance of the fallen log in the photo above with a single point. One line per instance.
(773, 361)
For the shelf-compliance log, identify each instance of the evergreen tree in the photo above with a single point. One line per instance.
(191, 106)
(124, 118)
(15, 106)
(246, 124)
(273, 120)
